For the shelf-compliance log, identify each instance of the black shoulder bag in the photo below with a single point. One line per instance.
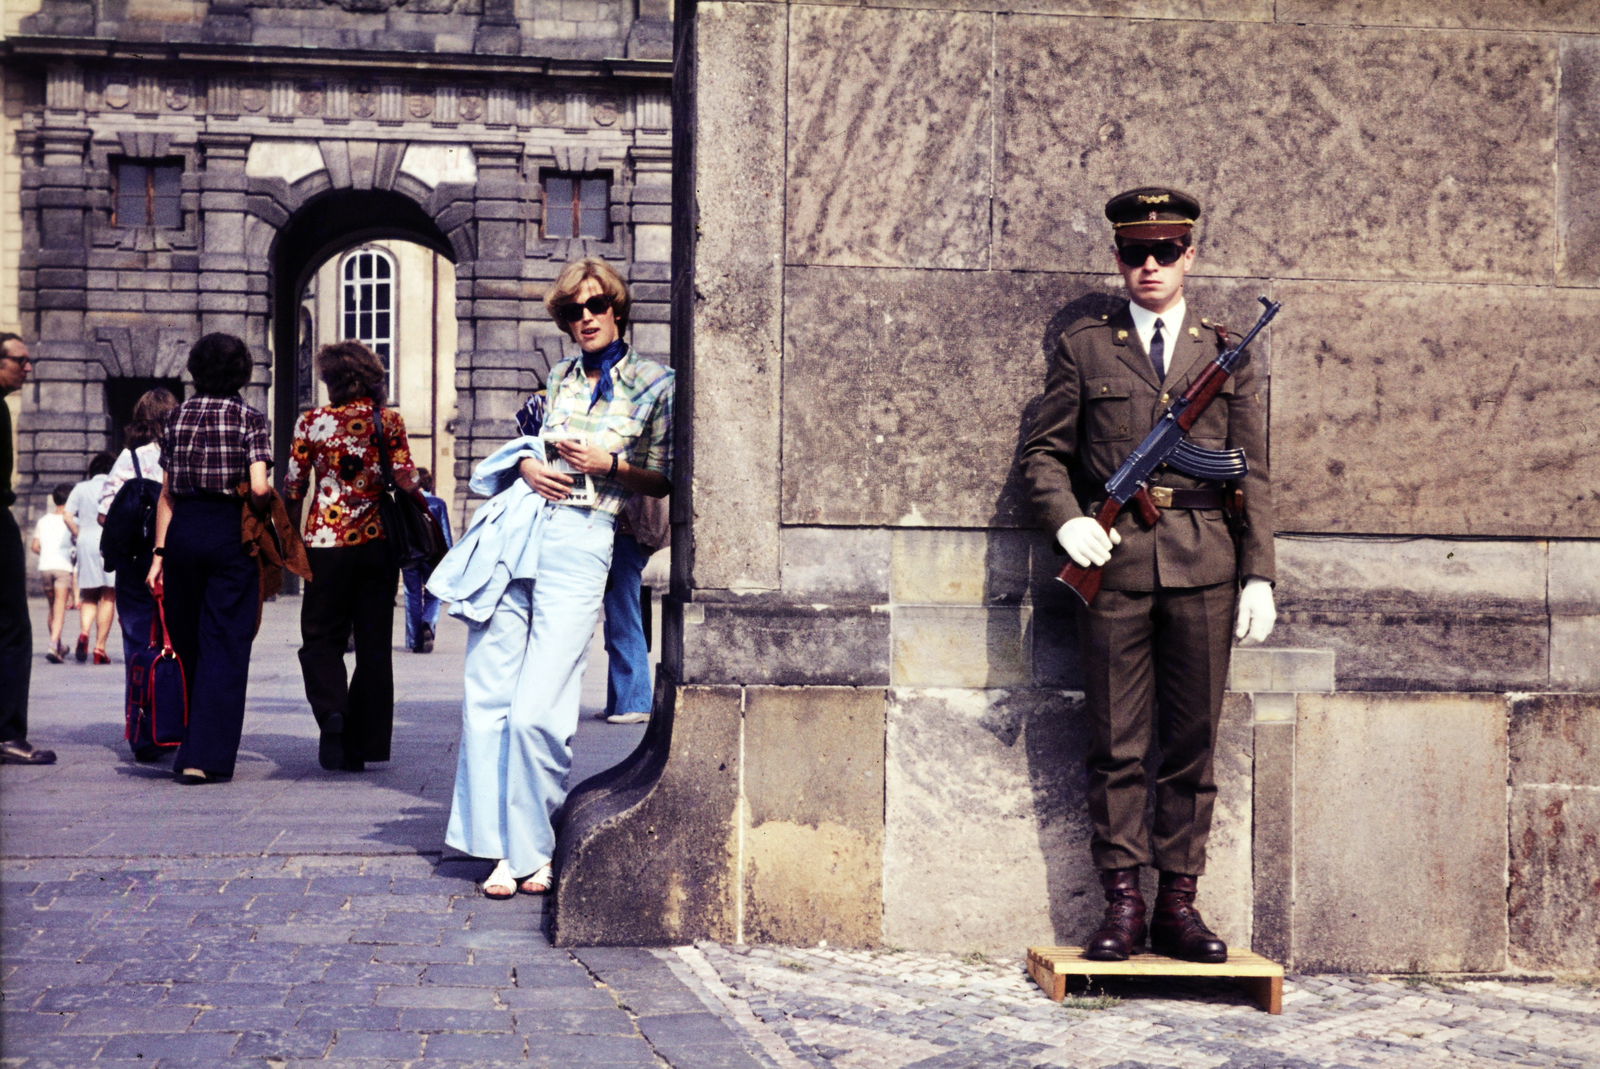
(129, 533)
(414, 538)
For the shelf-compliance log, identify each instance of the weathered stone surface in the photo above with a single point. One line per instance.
(1399, 833)
(787, 645)
(1555, 738)
(1273, 854)
(738, 294)
(1258, 668)
(812, 860)
(1554, 902)
(1574, 588)
(893, 416)
(889, 137)
(1226, 897)
(1367, 180)
(829, 563)
(1578, 15)
(961, 646)
(943, 567)
(1372, 381)
(992, 781)
(1578, 163)
(1209, 10)
(664, 824)
(1022, 816)
(1333, 574)
(1426, 651)
(1575, 653)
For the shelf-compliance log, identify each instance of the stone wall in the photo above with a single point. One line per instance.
(442, 148)
(897, 210)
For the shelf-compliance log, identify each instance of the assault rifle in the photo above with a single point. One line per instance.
(1167, 444)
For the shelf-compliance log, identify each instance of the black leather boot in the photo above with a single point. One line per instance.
(1123, 930)
(1176, 929)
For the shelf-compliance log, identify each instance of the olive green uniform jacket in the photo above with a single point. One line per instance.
(1101, 398)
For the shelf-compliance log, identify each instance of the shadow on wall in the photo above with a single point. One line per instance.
(1051, 724)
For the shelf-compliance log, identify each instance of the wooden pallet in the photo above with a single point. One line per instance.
(1050, 967)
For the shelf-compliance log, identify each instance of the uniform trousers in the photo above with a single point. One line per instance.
(524, 676)
(628, 657)
(212, 588)
(1155, 666)
(16, 630)
(351, 589)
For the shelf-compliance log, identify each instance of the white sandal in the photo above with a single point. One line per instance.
(539, 883)
(501, 884)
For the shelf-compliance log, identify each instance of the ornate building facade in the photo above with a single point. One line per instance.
(180, 168)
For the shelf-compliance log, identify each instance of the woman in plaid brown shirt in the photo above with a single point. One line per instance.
(211, 445)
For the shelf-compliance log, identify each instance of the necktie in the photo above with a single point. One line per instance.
(1158, 352)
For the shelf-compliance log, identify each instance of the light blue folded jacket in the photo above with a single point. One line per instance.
(499, 545)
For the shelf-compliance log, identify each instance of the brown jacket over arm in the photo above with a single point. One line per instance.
(1101, 398)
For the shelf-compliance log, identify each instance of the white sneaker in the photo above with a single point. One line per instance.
(627, 718)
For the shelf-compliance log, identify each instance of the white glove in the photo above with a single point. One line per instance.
(1086, 542)
(1257, 613)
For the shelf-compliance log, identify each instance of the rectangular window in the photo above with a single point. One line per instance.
(147, 192)
(577, 206)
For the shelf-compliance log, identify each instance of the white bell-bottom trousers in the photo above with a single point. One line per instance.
(524, 675)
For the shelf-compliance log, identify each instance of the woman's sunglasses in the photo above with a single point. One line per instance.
(596, 305)
(1166, 253)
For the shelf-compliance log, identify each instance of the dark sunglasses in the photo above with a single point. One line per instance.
(596, 305)
(1166, 253)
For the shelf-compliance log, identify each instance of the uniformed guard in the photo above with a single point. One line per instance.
(1157, 637)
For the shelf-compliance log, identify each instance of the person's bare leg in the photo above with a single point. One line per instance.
(88, 606)
(58, 613)
(107, 616)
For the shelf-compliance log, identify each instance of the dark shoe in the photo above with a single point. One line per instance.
(146, 754)
(352, 764)
(1123, 930)
(330, 750)
(194, 777)
(425, 640)
(1176, 929)
(82, 652)
(55, 655)
(19, 752)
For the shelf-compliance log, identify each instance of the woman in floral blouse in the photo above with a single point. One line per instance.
(335, 456)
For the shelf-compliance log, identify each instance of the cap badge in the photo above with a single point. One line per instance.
(1154, 198)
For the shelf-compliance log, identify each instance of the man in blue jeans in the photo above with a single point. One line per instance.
(422, 608)
(642, 528)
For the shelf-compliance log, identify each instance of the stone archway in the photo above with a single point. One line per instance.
(324, 225)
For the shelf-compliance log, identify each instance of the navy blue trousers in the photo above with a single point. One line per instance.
(212, 589)
(135, 606)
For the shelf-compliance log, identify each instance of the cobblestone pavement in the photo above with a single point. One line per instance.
(296, 917)
(898, 1010)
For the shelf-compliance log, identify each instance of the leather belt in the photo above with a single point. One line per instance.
(1167, 497)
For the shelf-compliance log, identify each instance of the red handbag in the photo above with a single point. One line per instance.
(158, 701)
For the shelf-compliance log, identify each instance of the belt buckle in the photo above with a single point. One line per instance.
(1161, 496)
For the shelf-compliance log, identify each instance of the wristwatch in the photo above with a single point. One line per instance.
(160, 551)
(612, 474)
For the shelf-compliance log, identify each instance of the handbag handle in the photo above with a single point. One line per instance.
(166, 635)
(381, 441)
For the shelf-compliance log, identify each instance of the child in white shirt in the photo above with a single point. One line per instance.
(52, 540)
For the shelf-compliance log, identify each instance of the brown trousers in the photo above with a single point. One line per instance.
(1155, 666)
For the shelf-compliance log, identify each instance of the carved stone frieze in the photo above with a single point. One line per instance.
(363, 100)
(470, 105)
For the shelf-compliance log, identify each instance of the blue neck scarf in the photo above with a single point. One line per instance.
(603, 361)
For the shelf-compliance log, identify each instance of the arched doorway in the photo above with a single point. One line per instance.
(366, 234)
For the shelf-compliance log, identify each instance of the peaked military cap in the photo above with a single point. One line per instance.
(1151, 213)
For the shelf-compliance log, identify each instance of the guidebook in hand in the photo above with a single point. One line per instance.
(583, 490)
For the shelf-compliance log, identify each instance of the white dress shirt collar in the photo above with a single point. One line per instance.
(1144, 321)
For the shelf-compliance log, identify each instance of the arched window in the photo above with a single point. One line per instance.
(366, 303)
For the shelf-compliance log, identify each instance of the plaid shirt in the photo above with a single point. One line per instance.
(209, 443)
(636, 422)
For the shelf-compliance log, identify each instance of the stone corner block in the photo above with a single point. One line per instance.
(1400, 838)
(1554, 739)
(1258, 669)
(961, 646)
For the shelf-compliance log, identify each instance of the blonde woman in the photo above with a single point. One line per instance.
(529, 575)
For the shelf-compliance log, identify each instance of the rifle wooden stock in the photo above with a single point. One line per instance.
(1200, 394)
(1085, 582)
